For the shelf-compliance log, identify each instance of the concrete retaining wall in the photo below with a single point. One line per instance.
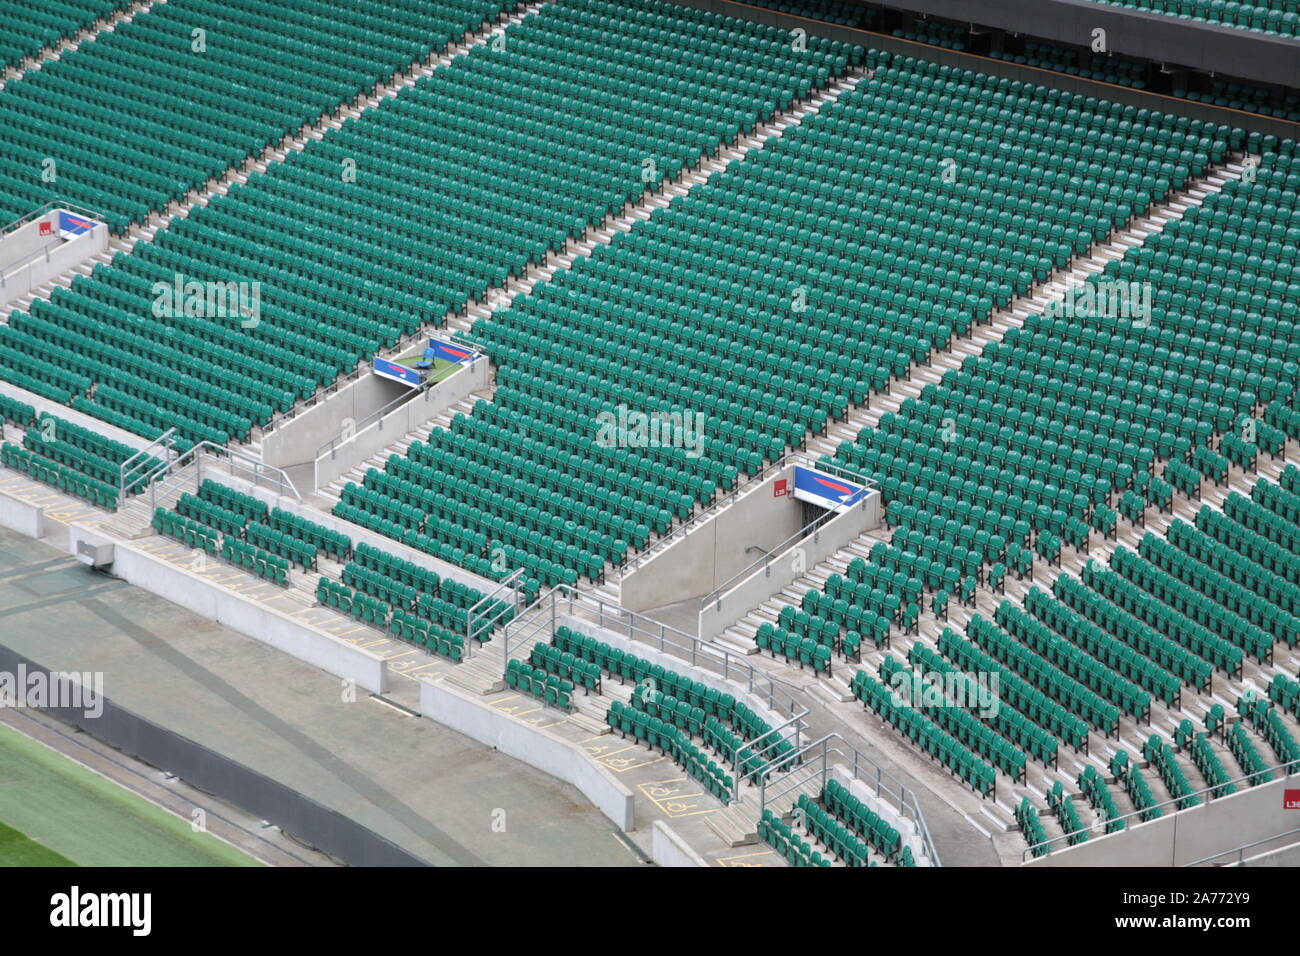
(251, 618)
(788, 566)
(297, 441)
(407, 417)
(713, 553)
(21, 517)
(48, 406)
(669, 849)
(1176, 839)
(532, 745)
(25, 245)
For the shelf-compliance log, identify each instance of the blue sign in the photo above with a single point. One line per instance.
(828, 491)
(448, 352)
(398, 373)
(74, 225)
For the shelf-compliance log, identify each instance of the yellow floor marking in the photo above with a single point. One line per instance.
(737, 860)
(676, 801)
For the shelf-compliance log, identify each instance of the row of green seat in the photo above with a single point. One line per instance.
(152, 108)
(252, 558)
(1085, 617)
(657, 734)
(914, 690)
(538, 682)
(1004, 718)
(192, 534)
(781, 837)
(428, 634)
(29, 28)
(843, 843)
(1157, 752)
(1093, 786)
(1130, 777)
(1274, 17)
(1066, 814)
(936, 742)
(1198, 746)
(60, 476)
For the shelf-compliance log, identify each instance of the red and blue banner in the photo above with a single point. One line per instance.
(398, 373)
(450, 353)
(828, 491)
(71, 225)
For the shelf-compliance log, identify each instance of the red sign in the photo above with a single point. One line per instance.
(47, 229)
(1291, 799)
(781, 488)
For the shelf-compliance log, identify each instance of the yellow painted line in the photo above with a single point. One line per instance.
(736, 860)
(673, 801)
(624, 764)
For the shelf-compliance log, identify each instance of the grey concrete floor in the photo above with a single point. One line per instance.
(434, 792)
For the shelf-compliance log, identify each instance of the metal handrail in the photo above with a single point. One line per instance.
(377, 416)
(766, 560)
(780, 696)
(254, 466)
(1285, 769)
(1240, 850)
(138, 465)
(505, 584)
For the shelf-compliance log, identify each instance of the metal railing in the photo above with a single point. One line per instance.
(477, 623)
(139, 471)
(812, 527)
(781, 698)
(809, 769)
(1130, 819)
(348, 434)
(238, 463)
(1240, 851)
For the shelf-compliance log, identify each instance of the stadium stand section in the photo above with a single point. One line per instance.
(869, 323)
(151, 109)
(326, 286)
(876, 232)
(1275, 17)
(26, 29)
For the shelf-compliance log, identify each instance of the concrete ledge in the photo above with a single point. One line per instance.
(22, 517)
(251, 618)
(357, 533)
(669, 849)
(535, 746)
(48, 406)
(1176, 839)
